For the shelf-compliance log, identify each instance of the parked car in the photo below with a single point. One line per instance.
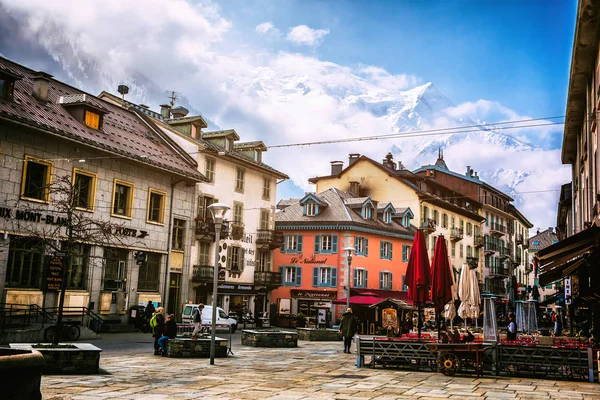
(224, 322)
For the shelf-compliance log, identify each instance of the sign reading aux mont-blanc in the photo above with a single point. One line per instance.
(53, 219)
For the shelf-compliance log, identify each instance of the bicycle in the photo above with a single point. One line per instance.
(69, 331)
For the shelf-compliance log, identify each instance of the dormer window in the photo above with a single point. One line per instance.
(367, 212)
(387, 217)
(7, 87)
(92, 119)
(311, 209)
(84, 108)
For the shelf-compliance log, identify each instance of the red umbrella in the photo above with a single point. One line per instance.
(441, 275)
(418, 274)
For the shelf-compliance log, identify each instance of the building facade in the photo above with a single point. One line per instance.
(313, 263)
(79, 172)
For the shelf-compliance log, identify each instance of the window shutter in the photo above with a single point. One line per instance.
(356, 244)
(298, 276)
(366, 253)
(381, 280)
(391, 280)
(282, 247)
(391, 248)
(366, 279)
(228, 257)
(304, 210)
(403, 282)
(299, 243)
(315, 276)
(404, 258)
(317, 243)
(241, 258)
(282, 275)
(333, 277)
(355, 278)
(381, 249)
(334, 243)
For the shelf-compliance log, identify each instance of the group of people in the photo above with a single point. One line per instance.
(162, 330)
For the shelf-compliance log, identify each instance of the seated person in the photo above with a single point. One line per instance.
(468, 337)
(443, 337)
(454, 335)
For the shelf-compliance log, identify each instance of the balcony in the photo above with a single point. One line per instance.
(203, 274)
(456, 234)
(267, 278)
(473, 262)
(496, 229)
(267, 238)
(478, 241)
(428, 225)
(519, 238)
(518, 259)
(494, 287)
(525, 244)
(496, 270)
(490, 247)
(205, 229)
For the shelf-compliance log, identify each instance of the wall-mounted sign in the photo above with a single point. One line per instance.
(54, 272)
(313, 294)
(568, 290)
(312, 260)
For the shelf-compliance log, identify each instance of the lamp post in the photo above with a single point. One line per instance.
(218, 211)
(349, 250)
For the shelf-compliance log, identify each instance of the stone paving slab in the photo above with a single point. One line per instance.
(315, 370)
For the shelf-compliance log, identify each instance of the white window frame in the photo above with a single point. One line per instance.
(291, 242)
(311, 209)
(360, 277)
(387, 280)
(290, 272)
(326, 243)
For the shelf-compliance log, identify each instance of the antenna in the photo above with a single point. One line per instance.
(173, 96)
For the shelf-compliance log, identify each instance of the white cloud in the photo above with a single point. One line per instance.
(277, 97)
(267, 28)
(304, 35)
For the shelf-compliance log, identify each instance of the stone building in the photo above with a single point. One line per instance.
(125, 172)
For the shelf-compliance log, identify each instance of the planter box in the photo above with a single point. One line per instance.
(269, 338)
(23, 370)
(199, 348)
(79, 358)
(319, 335)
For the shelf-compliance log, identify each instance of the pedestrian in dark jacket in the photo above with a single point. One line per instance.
(348, 328)
(511, 330)
(157, 324)
(169, 333)
(148, 313)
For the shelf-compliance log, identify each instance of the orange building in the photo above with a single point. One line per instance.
(314, 266)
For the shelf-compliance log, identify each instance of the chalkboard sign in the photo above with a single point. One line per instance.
(54, 271)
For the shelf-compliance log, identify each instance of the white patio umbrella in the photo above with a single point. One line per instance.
(464, 310)
(450, 309)
(475, 296)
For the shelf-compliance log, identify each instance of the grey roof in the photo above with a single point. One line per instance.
(258, 144)
(287, 203)
(337, 212)
(222, 133)
(382, 205)
(355, 201)
(543, 239)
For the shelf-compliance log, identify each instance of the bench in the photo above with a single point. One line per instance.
(413, 354)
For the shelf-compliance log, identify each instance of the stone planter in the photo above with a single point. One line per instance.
(77, 358)
(23, 370)
(269, 338)
(320, 335)
(199, 348)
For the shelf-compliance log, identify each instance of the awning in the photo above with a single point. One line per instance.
(395, 302)
(367, 297)
(360, 300)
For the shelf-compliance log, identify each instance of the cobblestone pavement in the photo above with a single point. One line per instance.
(314, 370)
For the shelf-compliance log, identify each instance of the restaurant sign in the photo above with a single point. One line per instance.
(313, 294)
(54, 272)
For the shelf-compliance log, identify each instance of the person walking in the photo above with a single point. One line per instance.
(157, 324)
(348, 328)
(169, 333)
(197, 319)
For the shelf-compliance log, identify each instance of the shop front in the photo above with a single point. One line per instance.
(316, 306)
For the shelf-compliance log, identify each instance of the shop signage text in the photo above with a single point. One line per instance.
(54, 272)
(312, 260)
(235, 287)
(310, 294)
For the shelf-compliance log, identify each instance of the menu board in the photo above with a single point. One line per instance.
(54, 272)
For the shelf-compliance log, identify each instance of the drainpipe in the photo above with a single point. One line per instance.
(165, 296)
(573, 223)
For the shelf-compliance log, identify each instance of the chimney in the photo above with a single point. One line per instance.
(352, 158)
(476, 176)
(468, 170)
(336, 167)
(40, 85)
(388, 161)
(165, 111)
(551, 230)
(354, 188)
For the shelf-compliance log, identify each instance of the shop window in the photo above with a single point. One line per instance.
(385, 250)
(385, 280)
(326, 244)
(25, 263)
(210, 169)
(292, 244)
(156, 206)
(84, 187)
(361, 246)
(37, 177)
(360, 278)
(122, 199)
(78, 271)
(148, 277)
(324, 277)
(178, 234)
(115, 268)
(291, 275)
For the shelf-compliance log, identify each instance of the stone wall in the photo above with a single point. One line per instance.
(81, 358)
(321, 335)
(200, 348)
(269, 338)
(23, 370)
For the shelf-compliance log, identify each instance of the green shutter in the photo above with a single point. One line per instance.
(381, 280)
(282, 276)
(366, 252)
(298, 276)
(334, 244)
(317, 243)
(366, 279)
(381, 249)
(315, 276)
(333, 277)
(355, 278)
(299, 243)
(228, 257)
(391, 249)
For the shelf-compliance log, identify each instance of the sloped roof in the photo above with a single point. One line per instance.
(258, 144)
(337, 212)
(543, 239)
(123, 133)
(221, 133)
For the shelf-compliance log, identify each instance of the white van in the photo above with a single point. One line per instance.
(223, 320)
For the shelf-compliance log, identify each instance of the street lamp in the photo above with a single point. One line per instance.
(349, 250)
(218, 211)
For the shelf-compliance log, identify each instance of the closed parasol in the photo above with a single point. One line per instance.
(441, 278)
(418, 274)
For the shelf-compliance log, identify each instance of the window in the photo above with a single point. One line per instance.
(444, 220)
(311, 209)
(204, 253)
(291, 275)
(265, 217)
(326, 244)
(360, 278)
(156, 206)
(385, 280)
(461, 250)
(469, 251)
(37, 177)
(405, 252)
(324, 276)
(266, 195)
(84, 188)
(178, 234)
(239, 179)
(453, 249)
(387, 217)
(92, 119)
(292, 243)
(148, 277)
(235, 259)
(210, 169)
(78, 270)
(453, 223)
(367, 212)
(238, 213)
(263, 261)
(25, 263)
(385, 250)
(404, 286)
(462, 225)
(122, 199)
(361, 246)
(6, 88)
(436, 217)
(115, 268)
(469, 229)
(203, 203)
(487, 219)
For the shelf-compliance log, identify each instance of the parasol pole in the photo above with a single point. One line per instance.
(419, 320)
(439, 325)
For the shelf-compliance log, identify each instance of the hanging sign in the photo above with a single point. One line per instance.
(568, 290)
(54, 272)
